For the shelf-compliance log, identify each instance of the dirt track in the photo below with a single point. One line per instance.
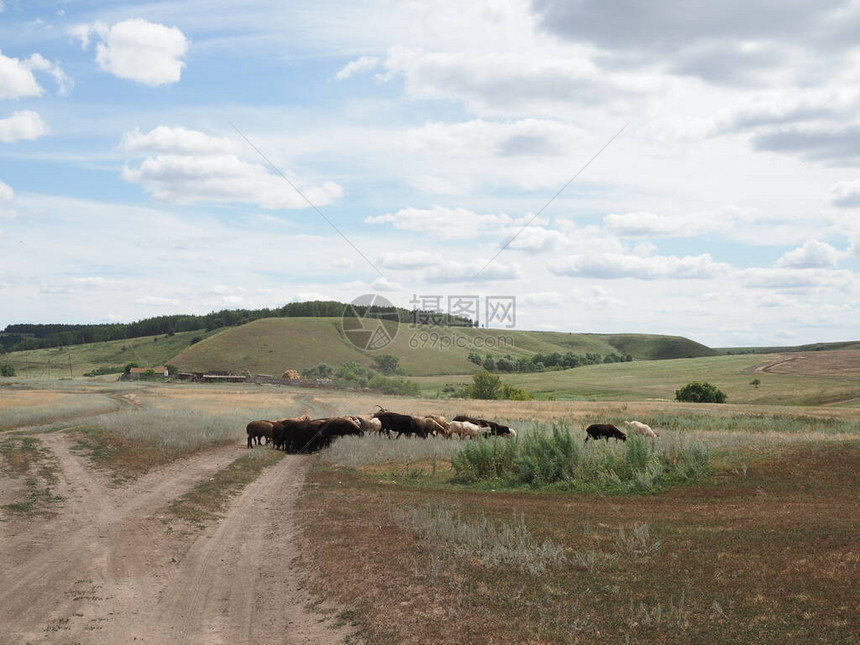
(106, 570)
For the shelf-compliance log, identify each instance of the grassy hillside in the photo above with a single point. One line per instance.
(272, 345)
(53, 362)
(654, 347)
(658, 380)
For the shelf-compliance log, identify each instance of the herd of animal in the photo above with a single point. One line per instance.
(303, 434)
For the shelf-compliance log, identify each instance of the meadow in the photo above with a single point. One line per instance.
(738, 525)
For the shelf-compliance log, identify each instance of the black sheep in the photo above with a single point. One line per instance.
(604, 431)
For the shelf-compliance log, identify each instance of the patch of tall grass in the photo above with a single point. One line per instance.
(511, 543)
(356, 451)
(34, 415)
(556, 457)
(179, 431)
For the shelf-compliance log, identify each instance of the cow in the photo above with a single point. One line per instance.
(604, 431)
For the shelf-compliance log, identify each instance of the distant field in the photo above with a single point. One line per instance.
(53, 362)
(829, 380)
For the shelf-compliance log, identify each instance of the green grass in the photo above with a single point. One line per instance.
(658, 380)
(272, 345)
(53, 362)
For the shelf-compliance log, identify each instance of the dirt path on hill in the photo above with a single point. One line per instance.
(109, 570)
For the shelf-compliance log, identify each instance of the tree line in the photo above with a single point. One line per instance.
(540, 362)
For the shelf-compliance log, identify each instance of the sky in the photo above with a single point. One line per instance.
(672, 168)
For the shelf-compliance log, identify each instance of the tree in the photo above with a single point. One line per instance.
(755, 382)
(128, 367)
(484, 386)
(387, 364)
(7, 370)
(489, 364)
(475, 358)
(698, 392)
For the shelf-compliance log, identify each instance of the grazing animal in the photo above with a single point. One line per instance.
(604, 431)
(642, 428)
(400, 424)
(495, 428)
(467, 430)
(304, 417)
(368, 423)
(300, 436)
(258, 429)
(430, 425)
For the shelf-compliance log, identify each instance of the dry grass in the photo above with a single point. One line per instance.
(765, 556)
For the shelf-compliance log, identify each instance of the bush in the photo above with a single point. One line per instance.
(7, 370)
(697, 392)
(489, 386)
(557, 457)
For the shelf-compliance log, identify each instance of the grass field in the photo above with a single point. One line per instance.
(658, 380)
(758, 547)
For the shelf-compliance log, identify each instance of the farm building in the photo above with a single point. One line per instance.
(143, 372)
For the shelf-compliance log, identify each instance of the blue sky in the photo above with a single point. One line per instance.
(430, 133)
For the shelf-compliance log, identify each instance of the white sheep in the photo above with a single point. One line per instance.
(642, 428)
(466, 430)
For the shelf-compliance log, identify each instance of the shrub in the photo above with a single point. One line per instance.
(698, 392)
(7, 370)
(557, 457)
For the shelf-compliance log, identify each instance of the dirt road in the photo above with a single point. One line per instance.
(108, 570)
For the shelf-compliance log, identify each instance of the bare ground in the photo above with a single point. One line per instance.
(109, 568)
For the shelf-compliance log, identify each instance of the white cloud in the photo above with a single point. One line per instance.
(157, 301)
(797, 280)
(196, 167)
(456, 271)
(408, 260)
(167, 140)
(384, 284)
(533, 239)
(613, 265)
(24, 125)
(534, 81)
(6, 192)
(17, 79)
(186, 179)
(358, 66)
(544, 299)
(812, 255)
(479, 138)
(442, 222)
(138, 50)
(846, 194)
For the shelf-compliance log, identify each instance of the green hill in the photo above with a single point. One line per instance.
(272, 345)
(654, 347)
